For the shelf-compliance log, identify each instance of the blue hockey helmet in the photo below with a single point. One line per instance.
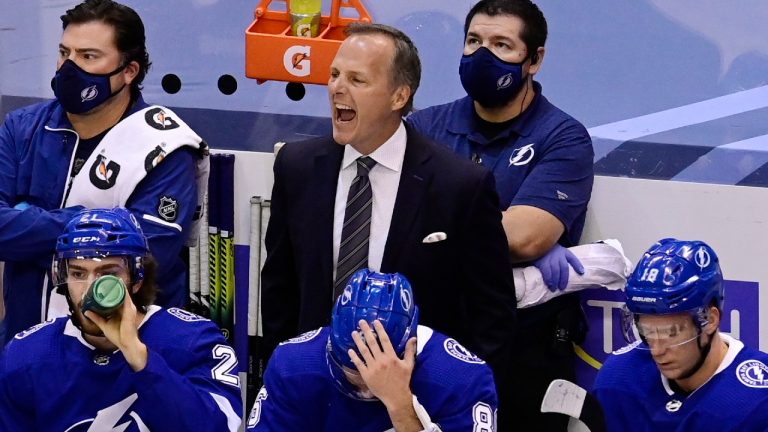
(99, 233)
(387, 297)
(675, 276)
(369, 296)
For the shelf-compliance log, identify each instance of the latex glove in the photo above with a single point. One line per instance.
(554, 267)
(21, 206)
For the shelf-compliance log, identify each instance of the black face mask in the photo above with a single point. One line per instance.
(489, 80)
(79, 91)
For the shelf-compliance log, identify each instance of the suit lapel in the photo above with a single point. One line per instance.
(323, 197)
(414, 181)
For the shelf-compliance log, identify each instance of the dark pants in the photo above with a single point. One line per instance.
(543, 351)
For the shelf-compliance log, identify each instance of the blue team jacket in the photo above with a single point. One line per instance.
(37, 144)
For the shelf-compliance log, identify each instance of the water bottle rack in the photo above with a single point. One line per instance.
(273, 53)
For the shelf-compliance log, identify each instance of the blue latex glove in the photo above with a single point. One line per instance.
(21, 206)
(554, 267)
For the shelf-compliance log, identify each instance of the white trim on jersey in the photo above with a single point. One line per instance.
(233, 420)
(423, 335)
(159, 221)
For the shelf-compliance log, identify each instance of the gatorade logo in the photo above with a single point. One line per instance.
(104, 173)
(154, 157)
(159, 119)
(297, 61)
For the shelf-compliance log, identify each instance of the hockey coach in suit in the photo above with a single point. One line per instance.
(425, 213)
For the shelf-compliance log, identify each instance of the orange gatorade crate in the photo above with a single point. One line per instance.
(273, 53)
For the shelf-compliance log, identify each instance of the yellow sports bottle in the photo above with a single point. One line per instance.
(305, 17)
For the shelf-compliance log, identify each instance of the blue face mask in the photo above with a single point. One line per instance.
(489, 80)
(79, 91)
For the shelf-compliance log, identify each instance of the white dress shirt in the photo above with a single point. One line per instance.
(385, 179)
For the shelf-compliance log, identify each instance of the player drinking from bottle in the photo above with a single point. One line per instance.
(138, 368)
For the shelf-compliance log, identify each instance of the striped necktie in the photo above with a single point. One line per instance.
(355, 233)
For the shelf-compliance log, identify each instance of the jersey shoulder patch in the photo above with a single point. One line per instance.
(753, 373)
(626, 348)
(303, 337)
(456, 350)
(24, 333)
(185, 315)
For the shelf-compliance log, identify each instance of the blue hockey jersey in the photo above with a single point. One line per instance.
(636, 397)
(453, 385)
(53, 380)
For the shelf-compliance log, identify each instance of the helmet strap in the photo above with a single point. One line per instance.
(703, 354)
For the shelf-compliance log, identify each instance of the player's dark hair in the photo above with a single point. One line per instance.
(406, 66)
(129, 31)
(534, 32)
(145, 296)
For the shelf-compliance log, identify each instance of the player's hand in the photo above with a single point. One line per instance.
(121, 328)
(387, 376)
(554, 267)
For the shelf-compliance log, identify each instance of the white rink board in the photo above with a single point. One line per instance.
(732, 219)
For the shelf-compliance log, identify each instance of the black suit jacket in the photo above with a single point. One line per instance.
(462, 285)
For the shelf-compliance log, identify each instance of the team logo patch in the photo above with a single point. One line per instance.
(753, 373)
(702, 258)
(117, 417)
(523, 155)
(168, 208)
(89, 93)
(160, 120)
(456, 350)
(504, 82)
(405, 299)
(185, 315)
(154, 157)
(302, 337)
(674, 405)
(346, 296)
(104, 172)
(101, 359)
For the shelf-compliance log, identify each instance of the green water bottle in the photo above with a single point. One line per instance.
(305, 17)
(105, 295)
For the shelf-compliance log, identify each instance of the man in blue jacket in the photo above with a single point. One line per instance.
(541, 159)
(98, 144)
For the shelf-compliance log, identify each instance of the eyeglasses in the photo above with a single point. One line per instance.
(667, 336)
(657, 332)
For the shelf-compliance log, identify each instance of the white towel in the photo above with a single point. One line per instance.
(128, 152)
(605, 266)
